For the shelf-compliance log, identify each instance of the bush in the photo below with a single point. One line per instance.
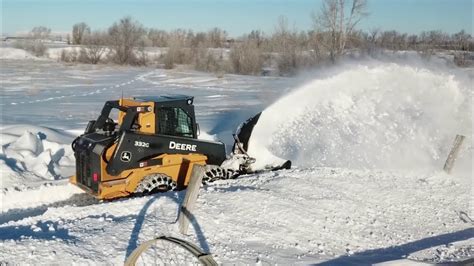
(246, 58)
(124, 37)
(176, 55)
(94, 47)
(463, 59)
(206, 60)
(35, 47)
(68, 56)
(287, 63)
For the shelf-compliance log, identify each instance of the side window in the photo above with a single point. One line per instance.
(174, 122)
(184, 127)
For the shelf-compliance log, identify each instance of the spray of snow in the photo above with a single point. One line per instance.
(387, 116)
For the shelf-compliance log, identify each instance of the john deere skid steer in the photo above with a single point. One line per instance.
(152, 147)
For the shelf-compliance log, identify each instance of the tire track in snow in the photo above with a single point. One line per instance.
(97, 91)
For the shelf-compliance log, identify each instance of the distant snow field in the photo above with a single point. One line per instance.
(368, 141)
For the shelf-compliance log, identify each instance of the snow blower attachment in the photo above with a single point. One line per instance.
(153, 148)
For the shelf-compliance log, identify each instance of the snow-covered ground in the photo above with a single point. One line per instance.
(368, 141)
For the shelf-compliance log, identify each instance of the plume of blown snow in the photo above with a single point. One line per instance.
(369, 116)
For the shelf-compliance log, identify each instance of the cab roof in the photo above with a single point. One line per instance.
(163, 98)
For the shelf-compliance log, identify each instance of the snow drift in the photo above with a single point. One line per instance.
(37, 153)
(15, 54)
(387, 116)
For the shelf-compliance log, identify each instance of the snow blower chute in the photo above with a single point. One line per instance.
(152, 147)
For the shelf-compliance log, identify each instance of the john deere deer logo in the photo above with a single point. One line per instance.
(126, 156)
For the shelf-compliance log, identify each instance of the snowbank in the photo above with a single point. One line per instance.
(32, 198)
(387, 116)
(55, 53)
(15, 54)
(32, 151)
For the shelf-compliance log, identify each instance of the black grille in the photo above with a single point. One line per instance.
(86, 162)
(88, 150)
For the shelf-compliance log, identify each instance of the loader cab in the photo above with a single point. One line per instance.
(164, 115)
(174, 115)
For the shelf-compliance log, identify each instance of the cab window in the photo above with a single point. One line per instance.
(174, 122)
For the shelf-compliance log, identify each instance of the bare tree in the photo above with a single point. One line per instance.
(40, 32)
(316, 47)
(285, 42)
(78, 32)
(461, 40)
(412, 42)
(94, 46)
(282, 35)
(373, 34)
(388, 39)
(334, 19)
(35, 47)
(158, 38)
(35, 43)
(125, 35)
(177, 52)
(143, 57)
(371, 41)
(198, 40)
(257, 36)
(246, 58)
(216, 37)
(206, 60)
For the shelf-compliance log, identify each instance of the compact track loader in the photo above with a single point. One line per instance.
(151, 148)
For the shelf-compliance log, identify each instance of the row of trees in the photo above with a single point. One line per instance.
(333, 35)
(435, 39)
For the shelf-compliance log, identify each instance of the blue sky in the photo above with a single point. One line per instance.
(237, 17)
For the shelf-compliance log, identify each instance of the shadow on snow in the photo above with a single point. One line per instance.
(399, 252)
(140, 218)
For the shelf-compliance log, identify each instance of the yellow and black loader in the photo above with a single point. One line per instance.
(151, 148)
